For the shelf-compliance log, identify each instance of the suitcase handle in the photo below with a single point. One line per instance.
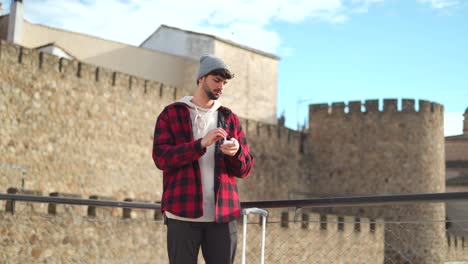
(264, 215)
(254, 210)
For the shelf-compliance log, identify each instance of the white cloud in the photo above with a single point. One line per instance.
(298, 10)
(243, 21)
(439, 4)
(362, 6)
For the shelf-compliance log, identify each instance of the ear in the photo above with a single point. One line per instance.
(199, 80)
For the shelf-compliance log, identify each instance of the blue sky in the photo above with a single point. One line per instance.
(331, 50)
(399, 49)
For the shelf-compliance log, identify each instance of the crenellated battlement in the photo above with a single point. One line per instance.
(376, 106)
(456, 247)
(273, 135)
(40, 61)
(329, 222)
(307, 221)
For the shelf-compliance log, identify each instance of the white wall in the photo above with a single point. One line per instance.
(180, 43)
(56, 51)
(15, 24)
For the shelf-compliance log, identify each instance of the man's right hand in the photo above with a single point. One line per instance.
(212, 136)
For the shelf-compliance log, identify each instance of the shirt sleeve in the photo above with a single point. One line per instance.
(166, 153)
(242, 162)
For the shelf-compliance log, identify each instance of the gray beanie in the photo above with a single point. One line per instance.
(209, 63)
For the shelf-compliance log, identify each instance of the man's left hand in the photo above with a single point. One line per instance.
(230, 149)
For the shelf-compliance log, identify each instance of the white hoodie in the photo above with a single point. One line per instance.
(203, 120)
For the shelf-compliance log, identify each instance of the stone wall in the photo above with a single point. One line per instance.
(457, 248)
(78, 128)
(71, 238)
(33, 236)
(86, 130)
(82, 129)
(377, 152)
(358, 149)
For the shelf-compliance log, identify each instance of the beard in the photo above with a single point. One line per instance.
(209, 93)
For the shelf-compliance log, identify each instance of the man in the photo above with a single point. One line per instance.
(201, 149)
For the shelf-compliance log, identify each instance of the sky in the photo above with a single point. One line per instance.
(330, 50)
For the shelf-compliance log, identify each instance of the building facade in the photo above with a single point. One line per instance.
(456, 161)
(170, 55)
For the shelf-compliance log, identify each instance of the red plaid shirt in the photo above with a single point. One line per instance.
(176, 153)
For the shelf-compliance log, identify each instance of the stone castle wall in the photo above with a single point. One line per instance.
(357, 149)
(85, 130)
(377, 152)
(78, 128)
(82, 129)
(456, 248)
(33, 236)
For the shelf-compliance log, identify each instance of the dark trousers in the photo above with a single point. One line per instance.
(217, 241)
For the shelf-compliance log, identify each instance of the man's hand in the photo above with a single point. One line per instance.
(212, 136)
(230, 149)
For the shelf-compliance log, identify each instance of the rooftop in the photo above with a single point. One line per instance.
(462, 136)
(270, 55)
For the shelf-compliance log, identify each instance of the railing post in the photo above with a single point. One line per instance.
(157, 213)
(52, 207)
(372, 225)
(305, 221)
(285, 219)
(341, 223)
(357, 224)
(92, 208)
(323, 222)
(10, 204)
(127, 212)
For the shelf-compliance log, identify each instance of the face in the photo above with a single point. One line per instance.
(213, 86)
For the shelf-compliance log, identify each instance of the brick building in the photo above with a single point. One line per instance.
(456, 156)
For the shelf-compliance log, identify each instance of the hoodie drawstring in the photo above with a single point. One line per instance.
(199, 120)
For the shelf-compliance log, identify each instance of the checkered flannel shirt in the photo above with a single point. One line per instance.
(176, 153)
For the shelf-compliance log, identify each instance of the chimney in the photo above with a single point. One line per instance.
(465, 123)
(1, 9)
(15, 22)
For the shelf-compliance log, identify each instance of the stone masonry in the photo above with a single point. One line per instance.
(369, 151)
(83, 130)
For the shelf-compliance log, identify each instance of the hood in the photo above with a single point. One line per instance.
(200, 116)
(188, 101)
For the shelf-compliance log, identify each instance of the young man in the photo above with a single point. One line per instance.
(201, 149)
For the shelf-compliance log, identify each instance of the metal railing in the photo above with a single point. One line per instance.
(321, 230)
(302, 203)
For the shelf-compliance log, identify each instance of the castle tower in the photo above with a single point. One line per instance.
(364, 151)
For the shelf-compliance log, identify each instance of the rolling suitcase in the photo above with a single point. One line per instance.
(245, 213)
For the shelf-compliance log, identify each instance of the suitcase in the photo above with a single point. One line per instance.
(245, 213)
